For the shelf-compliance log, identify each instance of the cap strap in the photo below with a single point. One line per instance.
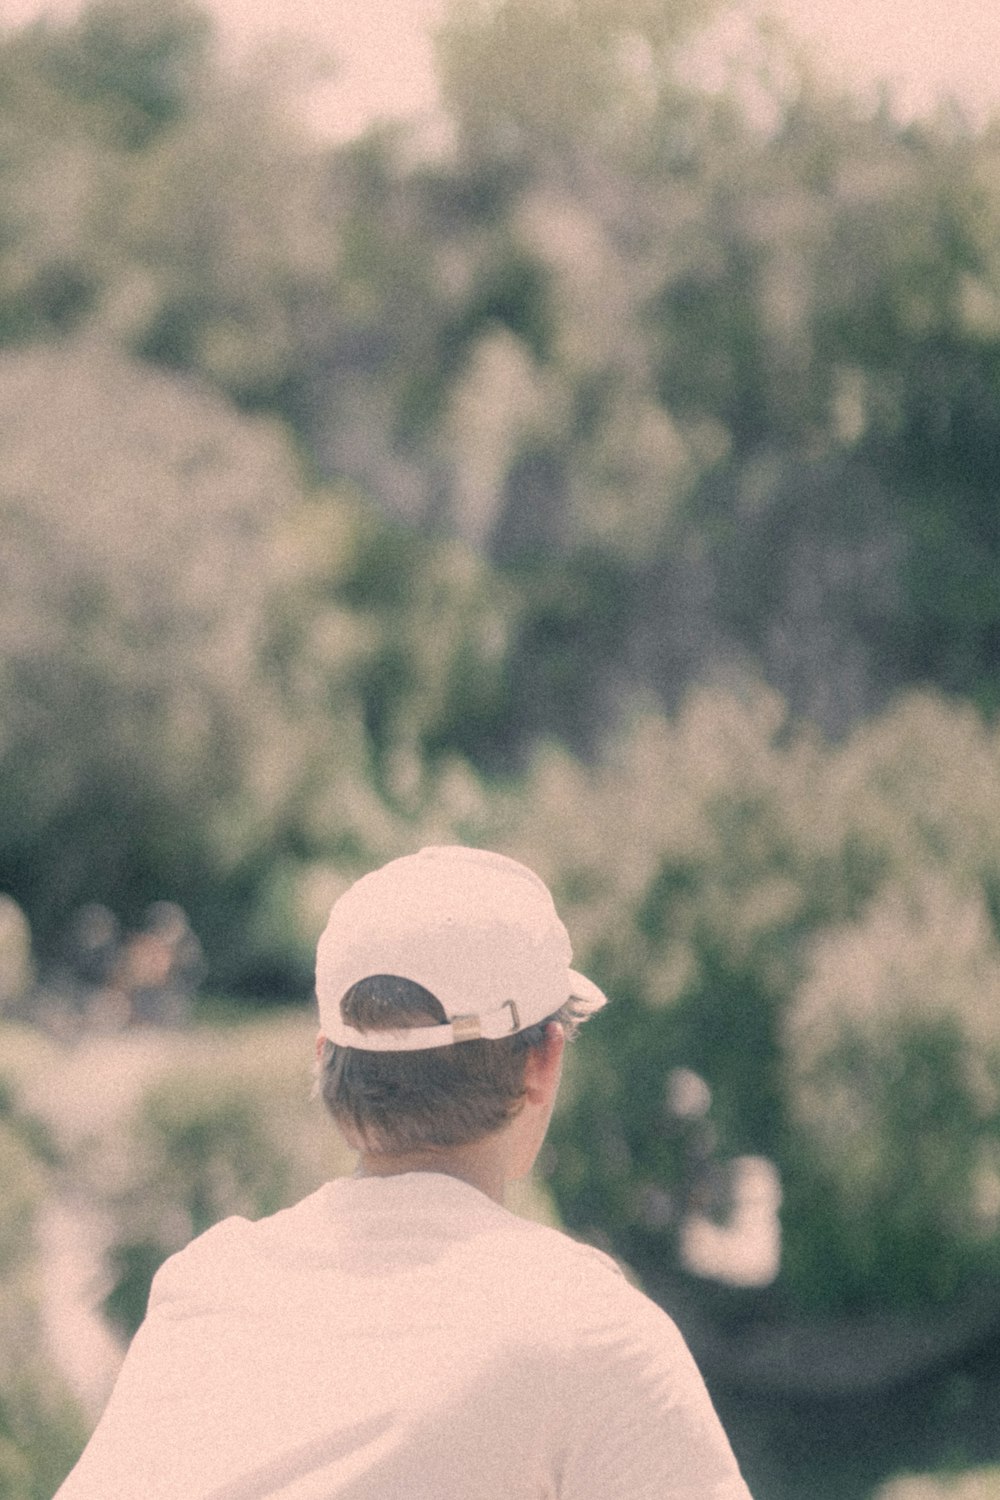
(463, 1028)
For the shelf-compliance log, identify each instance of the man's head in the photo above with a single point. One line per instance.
(445, 994)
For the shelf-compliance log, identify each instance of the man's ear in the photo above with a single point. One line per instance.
(543, 1064)
(320, 1044)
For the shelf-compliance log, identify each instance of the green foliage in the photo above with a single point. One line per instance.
(41, 1434)
(41, 1426)
(896, 1073)
(17, 968)
(622, 315)
(137, 69)
(222, 1125)
(977, 1484)
(807, 929)
(199, 1156)
(540, 78)
(142, 521)
(81, 104)
(140, 199)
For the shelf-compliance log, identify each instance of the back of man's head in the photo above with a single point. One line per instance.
(436, 976)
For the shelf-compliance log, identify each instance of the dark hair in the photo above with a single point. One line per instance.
(397, 1102)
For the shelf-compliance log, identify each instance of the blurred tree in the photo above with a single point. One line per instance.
(839, 323)
(164, 201)
(132, 71)
(142, 749)
(742, 848)
(554, 78)
(895, 1059)
(208, 678)
(82, 103)
(802, 947)
(410, 636)
(743, 345)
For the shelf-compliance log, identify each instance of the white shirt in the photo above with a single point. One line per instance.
(403, 1338)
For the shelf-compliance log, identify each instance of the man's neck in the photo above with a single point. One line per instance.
(480, 1169)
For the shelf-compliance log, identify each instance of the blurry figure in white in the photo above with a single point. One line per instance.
(730, 1230)
(400, 1332)
(744, 1249)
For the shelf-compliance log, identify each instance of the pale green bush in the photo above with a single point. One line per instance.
(978, 1484)
(223, 1125)
(813, 930)
(41, 1425)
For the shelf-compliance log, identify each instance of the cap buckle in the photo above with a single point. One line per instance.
(466, 1028)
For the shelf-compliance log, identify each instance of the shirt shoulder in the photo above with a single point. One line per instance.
(214, 1258)
(200, 1262)
(640, 1422)
(582, 1269)
(556, 1247)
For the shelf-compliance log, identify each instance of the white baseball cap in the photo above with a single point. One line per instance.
(476, 929)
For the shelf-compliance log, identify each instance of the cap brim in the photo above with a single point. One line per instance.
(586, 992)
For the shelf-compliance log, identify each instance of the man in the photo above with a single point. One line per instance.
(399, 1335)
